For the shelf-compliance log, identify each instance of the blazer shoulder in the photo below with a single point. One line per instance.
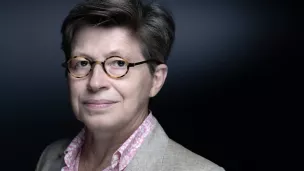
(56, 147)
(179, 158)
(52, 152)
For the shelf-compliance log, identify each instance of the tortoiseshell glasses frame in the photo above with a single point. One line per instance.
(114, 66)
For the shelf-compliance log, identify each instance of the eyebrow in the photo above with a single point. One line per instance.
(115, 53)
(111, 53)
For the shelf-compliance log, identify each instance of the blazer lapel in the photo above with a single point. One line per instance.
(58, 163)
(150, 154)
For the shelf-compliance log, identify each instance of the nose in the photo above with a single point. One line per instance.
(98, 79)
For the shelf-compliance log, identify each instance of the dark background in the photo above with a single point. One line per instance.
(231, 94)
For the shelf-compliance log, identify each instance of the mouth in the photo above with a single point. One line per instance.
(98, 104)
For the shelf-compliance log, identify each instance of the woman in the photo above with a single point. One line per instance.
(116, 53)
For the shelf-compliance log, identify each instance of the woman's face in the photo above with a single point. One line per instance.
(105, 103)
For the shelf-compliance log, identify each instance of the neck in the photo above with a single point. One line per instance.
(99, 146)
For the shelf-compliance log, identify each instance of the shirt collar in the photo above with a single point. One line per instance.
(121, 156)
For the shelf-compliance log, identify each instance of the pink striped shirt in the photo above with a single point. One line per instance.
(121, 158)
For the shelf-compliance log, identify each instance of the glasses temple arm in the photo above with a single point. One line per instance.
(142, 62)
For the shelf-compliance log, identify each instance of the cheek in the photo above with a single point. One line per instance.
(137, 88)
(76, 88)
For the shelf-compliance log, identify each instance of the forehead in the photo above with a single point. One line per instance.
(100, 43)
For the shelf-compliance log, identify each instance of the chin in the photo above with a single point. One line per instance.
(104, 122)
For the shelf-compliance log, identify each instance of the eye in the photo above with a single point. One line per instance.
(79, 63)
(116, 63)
(119, 63)
(82, 63)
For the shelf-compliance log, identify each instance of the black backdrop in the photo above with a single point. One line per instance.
(230, 94)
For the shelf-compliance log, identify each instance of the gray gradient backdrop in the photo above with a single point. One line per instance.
(231, 79)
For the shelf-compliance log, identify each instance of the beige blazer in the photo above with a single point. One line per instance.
(157, 153)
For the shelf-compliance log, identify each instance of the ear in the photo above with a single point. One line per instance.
(158, 79)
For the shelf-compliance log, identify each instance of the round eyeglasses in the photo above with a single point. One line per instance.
(114, 66)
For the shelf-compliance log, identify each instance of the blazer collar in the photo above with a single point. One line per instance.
(150, 154)
(57, 162)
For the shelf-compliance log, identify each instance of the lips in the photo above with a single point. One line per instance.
(98, 104)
